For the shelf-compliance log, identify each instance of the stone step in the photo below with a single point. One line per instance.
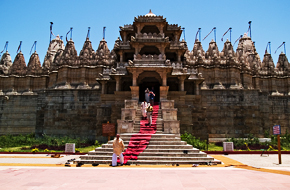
(153, 162)
(122, 135)
(152, 139)
(157, 142)
(159, 154)
(97, 157)
(147, 150)
(157, 146)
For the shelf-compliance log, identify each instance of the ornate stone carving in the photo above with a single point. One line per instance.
(19, 65)
(34, 65)
(87, 54)
(5, 63)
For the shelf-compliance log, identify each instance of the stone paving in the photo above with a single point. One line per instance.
(125, 177)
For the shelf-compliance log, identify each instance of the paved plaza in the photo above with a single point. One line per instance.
(42, 172)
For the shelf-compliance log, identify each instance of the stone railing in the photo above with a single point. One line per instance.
(149, 57)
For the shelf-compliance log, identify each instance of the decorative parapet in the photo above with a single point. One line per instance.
(173, 27)
(144, 18)
(178, 45)
(144, 37)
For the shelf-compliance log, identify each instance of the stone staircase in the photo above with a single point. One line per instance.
(162, 149)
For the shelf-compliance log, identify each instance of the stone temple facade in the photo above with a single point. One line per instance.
(210, 93)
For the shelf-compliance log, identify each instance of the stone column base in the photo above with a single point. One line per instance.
(171, 127)
(125, 126)
(135, 92)
(163, 92)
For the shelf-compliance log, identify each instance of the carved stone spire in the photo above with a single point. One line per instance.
(247, 55)
(103, 55)
(228, 55)
(196, 56)
(54, 46)
(283, 64)
(34, 65)
(212, 54)
(5, 63)
(70, 55)
(268, 66)
(87, 54)
(19, 65)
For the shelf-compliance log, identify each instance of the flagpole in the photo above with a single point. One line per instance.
(199, 34)
(231, 35)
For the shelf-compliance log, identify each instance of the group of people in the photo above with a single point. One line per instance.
(147, 109)
(147, 105)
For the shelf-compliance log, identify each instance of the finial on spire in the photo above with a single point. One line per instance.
(150, 11)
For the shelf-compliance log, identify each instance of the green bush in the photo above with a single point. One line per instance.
(7, 141)
(195, 142)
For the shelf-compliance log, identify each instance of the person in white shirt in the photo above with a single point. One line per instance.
(118, 148)
(143, 109)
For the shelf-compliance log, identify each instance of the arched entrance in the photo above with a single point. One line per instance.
(149, 79)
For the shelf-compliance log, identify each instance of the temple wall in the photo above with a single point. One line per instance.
(18, 114)
(217, 74)
(72, 112)
(231, 113)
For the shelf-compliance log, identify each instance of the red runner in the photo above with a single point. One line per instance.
(139, 141)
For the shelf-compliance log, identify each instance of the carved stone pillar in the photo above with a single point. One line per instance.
(181, 82)
(197, 89)
(125, 37)
(117, 78)
(121, 57)
(179, 56)
(164, 79)
(134, 78)
(104, 86)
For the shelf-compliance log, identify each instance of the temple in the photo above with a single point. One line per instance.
(209, 93)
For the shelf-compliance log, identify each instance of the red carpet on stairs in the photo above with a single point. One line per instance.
(139, 142)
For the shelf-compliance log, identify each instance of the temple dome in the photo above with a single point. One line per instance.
(150, 14)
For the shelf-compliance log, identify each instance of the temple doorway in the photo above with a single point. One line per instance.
(149, 79)
(149, 84)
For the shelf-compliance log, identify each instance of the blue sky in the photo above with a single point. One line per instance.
(29, 21)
